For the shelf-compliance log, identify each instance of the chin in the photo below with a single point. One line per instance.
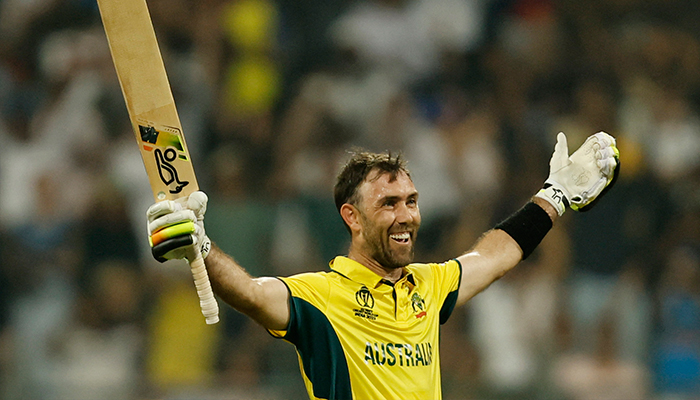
(400, 262)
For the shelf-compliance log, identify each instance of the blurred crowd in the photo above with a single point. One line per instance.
(272, 94)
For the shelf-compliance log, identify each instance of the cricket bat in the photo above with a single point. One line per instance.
(154, 118)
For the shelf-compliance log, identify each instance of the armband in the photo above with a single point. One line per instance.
(527, 226)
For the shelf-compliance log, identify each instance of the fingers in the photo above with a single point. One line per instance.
(162, 208)
(174, 218)
(606, 153)
(606, 161)
(600, 152)
(196, 202)
(161, 250)
(607, 166)
(184, 228)
(604, 139)
(167, 213)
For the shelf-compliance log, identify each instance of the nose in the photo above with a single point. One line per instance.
(405, 214)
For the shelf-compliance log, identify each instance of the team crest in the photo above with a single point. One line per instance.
(418, 305)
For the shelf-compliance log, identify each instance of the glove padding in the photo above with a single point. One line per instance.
(580, 180)
(175, 226)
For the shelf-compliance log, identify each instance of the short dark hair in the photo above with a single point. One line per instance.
(358, 167)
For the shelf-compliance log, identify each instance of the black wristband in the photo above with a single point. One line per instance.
(528, 226)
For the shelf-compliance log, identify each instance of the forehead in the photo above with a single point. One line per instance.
(379, 185)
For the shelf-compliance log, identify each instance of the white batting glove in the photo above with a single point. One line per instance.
(578, 181)
(174, 226)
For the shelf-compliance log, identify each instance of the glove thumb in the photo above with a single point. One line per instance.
(560, 157)
(197, 202)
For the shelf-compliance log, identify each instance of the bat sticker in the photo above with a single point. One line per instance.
(166, 137)
(168, 173)
(149, 134)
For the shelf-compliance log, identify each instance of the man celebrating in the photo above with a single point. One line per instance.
(369, 328)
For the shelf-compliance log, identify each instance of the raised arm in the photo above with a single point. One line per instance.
(176, 227)
(493, 255)
(265, 299)
(577, 182)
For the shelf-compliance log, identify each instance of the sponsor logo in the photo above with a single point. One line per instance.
(206, 247)
(167, 147)
(557, 195)
(167, 171)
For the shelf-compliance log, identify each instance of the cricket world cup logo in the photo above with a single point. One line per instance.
(366, 301)
(364, 298)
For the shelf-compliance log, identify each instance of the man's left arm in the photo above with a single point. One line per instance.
(575, 181)
(493, 256)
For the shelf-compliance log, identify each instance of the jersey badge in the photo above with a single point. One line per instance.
(365, 300)
(418, 305)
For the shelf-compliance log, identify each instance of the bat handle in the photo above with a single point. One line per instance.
(210, 308)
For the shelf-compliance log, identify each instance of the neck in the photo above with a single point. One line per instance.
(390, 274)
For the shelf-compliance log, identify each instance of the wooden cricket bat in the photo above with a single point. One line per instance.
(154, 118)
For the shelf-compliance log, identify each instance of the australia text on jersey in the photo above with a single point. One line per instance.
(399, 354)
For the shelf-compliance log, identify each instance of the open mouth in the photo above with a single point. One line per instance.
(403, 237)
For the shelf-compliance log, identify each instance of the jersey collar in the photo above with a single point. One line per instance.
(357, 272)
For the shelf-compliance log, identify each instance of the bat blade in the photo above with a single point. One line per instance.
(149, 99)
(154, 119)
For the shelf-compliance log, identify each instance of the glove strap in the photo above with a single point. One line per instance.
(555, 195)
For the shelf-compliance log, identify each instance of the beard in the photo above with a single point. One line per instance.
(380, 249)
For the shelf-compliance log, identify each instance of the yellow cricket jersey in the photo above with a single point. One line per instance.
(360, 337)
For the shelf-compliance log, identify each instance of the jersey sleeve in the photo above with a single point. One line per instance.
(308, 289)
(446, 280)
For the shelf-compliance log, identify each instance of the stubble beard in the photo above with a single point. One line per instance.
(380, 250)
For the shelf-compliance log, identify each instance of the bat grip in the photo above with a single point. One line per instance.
(210, 308)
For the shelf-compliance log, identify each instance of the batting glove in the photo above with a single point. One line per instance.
(174, 226)
(580, 180)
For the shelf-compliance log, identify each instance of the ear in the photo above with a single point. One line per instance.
(351, 216)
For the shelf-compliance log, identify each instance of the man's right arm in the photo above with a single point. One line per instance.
(265, 300)
(175, 227)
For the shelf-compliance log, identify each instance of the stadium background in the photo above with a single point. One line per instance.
(271, 94)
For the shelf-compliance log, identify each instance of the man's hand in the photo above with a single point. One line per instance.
(578, 181)
(174, 226)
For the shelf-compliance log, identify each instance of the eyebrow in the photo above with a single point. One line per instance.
(413, 195)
